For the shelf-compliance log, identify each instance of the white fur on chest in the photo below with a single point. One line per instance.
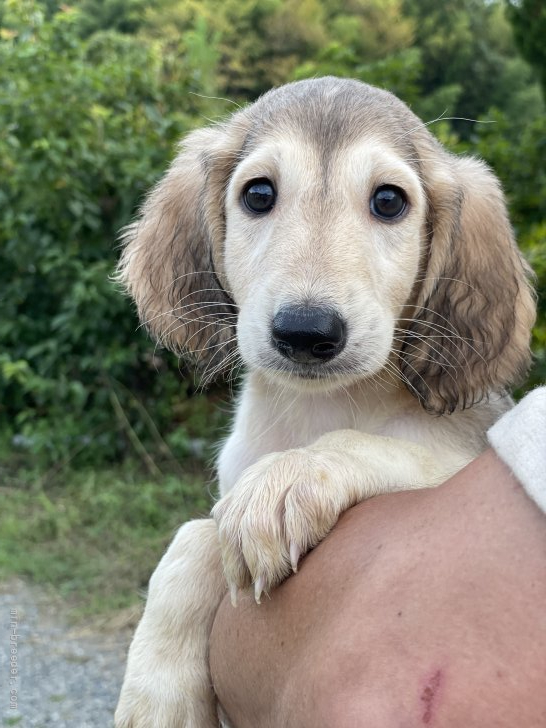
(273, 418)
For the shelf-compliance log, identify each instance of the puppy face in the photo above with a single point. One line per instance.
(324, 265)
(325, 233)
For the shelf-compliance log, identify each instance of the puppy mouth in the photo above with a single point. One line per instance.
(320, 373)
(313, 372)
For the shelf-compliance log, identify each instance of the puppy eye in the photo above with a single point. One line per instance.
(259, 195)
(388, 202)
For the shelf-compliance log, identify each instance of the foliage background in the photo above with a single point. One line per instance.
(94, 95)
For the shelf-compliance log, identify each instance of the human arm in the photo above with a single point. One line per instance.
(422, 607)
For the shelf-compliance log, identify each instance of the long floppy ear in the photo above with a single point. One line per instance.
(170, 263)
(475, 307)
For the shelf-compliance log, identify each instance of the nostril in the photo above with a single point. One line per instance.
(283, 346)
(308, 334)
(325, 349)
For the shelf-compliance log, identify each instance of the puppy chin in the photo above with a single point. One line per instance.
(324, 385)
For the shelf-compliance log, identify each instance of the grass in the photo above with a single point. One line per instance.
(95, 536)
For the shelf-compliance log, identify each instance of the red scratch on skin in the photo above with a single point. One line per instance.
(428, 695)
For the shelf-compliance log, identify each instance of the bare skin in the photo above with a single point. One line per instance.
(423, 608)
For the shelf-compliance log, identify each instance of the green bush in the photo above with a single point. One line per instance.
(85, 129)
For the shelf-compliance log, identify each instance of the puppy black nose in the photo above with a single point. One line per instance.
(308, 334)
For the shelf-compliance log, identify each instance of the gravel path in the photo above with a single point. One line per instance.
(63, 676)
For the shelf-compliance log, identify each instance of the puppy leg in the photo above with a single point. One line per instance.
(167, 682)
(287, 502)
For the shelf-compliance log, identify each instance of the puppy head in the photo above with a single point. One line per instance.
(334, 233)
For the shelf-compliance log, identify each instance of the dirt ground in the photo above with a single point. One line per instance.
(54, 674)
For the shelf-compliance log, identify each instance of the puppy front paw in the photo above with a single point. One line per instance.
(282, 506)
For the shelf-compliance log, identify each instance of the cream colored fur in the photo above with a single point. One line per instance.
(424, 328)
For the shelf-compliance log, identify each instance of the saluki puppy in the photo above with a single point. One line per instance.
(369, 282)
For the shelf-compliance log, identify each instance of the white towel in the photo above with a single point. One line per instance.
(519, 439)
